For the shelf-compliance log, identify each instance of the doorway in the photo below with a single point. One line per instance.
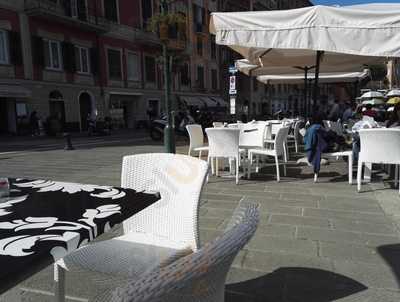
(85, 105)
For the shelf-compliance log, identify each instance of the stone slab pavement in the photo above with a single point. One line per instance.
(315, 242)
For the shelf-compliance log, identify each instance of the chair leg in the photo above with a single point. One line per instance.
(250, 155)
(315, 177)
(257, 163)
(278, 177)
(350, 161)
(296, 145)
(189, 152)
(216, 167)
(237, 169)
(368, 172)
(200, 154)
(59, 283)
(359, 172)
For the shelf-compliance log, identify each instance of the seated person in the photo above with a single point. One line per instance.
(368, 111)
(367, 122)
(394, 118)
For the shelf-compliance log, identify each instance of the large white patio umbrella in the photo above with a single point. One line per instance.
(372, 94)
(394, 92)
(312, 36)
(373, 102)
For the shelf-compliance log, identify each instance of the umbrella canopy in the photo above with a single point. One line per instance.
(291, 37)
(373, 102)
(394, 92)
(298, 78)
(394, 101)
(372, 94)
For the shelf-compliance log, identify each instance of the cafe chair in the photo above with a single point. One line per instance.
(381, 146)
(198, 277)
(196, 137)
(154, 237)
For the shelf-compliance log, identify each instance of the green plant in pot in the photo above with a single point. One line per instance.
(161, 24)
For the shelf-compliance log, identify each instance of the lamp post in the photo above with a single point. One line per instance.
(169, 130)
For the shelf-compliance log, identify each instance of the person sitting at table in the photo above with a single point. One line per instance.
(394, 118)
(367, 122)
(369, 112)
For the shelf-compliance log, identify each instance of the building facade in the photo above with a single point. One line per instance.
(75, 60)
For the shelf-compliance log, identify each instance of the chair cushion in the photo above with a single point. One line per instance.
(123, 257)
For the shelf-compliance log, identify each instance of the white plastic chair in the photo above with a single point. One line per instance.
(198, 277)
(379, 145)
(224, 143)
(158, 235)
(196, 137)
(278, 149)
(218, 124)
(295, 136)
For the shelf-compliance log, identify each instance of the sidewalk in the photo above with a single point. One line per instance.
(316, 242)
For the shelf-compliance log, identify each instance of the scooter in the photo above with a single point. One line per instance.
(157, 130)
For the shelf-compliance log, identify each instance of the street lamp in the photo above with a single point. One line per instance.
(169, 131)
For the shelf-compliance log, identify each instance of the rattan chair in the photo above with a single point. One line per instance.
(198, 277)
(156, 236)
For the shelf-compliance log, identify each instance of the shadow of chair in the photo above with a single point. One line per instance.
(294, 284)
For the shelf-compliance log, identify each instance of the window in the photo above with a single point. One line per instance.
(133, 65)
(185, 77)
(200, 46)
(111, 10)
(150, 68)
(52, 54)
(199, 17)
(4, 55)
(213, 47)
(147, 11)
(200, 77)
(114, 64)
(255, 83)
(82, 59)
(214, 79)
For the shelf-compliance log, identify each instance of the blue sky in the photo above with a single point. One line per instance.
(349, 2)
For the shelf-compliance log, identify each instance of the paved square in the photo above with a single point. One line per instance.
(315, 242)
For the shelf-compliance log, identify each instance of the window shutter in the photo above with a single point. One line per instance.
(68, 56)
(81, 10)
(15, 48)
(94, 60)
(38, 51)
(67, 7)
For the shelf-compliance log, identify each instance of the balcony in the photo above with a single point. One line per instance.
(72, 12)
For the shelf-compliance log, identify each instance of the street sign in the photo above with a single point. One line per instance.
(232, 69)
(232, 83)
(232, 91)
(233, 105)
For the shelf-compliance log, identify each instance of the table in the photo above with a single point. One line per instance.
(44, 220)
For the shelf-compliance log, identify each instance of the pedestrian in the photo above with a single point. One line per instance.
(334, 113)
(34, 123)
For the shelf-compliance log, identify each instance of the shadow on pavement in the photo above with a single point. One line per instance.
(294, 284)
(391, 254)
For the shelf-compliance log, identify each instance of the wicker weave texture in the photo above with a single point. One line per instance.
(198, 277)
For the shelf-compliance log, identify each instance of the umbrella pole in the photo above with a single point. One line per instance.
(316, 87)
(305, 90)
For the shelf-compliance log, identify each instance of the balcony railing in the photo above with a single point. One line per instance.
(74, 12)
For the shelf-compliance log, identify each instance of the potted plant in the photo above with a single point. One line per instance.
(161, 24)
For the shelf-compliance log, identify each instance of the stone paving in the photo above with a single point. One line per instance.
(315, 242)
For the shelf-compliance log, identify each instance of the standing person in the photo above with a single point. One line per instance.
(91, 124)
(334, 113)
(34, 123)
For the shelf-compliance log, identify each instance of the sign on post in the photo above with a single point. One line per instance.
(233, 105)
(232, 85)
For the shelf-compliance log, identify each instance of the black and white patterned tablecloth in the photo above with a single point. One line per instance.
(44, 220)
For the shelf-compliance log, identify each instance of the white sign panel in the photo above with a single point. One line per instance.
(232, 83)
(233, 105)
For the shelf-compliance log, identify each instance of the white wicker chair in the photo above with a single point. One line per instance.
(218, 124)
(295, 136)
(198, 277)
(156, 236)
(379, 145)
(279, 149)
(224, 143)
(196, 139)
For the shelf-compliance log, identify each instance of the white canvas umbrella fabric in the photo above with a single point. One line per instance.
(394, 92)
(325, 78)
(372, 94)
(292, 37)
